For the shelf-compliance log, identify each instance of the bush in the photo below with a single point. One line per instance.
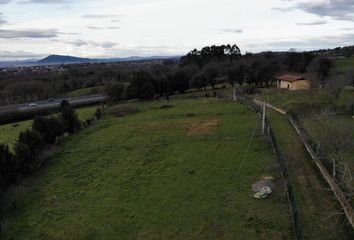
(89, 121)
(50, 128)
(147, 91)
(69, 117)
(7, 166)
(116, 91)
(98, 113)
(32, 139)
(25, 159)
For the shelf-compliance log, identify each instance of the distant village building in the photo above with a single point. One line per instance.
(293, 82)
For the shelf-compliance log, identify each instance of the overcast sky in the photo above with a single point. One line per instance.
(121, 28)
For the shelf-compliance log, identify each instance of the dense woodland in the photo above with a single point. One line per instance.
(199, 69)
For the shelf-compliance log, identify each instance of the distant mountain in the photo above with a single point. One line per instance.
(53, 59)
(61, 59)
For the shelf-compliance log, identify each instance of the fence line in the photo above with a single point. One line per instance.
(295, 221)
(325, 173)
(279, 110)
(339, 194)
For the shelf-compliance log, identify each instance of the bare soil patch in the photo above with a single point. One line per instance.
(121, 111)
(203, 127)
(156, 126)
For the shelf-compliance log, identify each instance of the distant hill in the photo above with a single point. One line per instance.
(61, 59)
(52, 59)
(347, 51)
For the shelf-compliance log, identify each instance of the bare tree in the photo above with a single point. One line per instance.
(335, 83)
(334, 139)
(319, 70)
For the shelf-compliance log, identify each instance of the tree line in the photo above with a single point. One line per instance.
(207, 67)
(198, 69)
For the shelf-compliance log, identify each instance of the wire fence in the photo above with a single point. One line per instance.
(338, 192)
(323, 164)
(294, 216)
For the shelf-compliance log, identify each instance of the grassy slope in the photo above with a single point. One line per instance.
(10, 132)
(345, 63)
(84, 91)
(142, 177)
(290, 100)
(316, 205)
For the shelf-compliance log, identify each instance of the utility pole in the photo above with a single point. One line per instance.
(7, 98)
(234, 95)
(264, 118)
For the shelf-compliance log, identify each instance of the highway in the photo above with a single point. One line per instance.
(53, 103)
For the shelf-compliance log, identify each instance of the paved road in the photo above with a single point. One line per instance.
(53, 103)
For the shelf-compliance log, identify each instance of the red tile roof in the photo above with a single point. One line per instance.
(290, 77)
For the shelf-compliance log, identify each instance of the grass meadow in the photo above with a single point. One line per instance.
(164, 173)
(85, 91)
(345, 63)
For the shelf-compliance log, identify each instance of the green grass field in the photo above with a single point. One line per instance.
(315, 203)
(84, 91)
(345, 63)
(9, 133)
(177, 173)
(290, 100)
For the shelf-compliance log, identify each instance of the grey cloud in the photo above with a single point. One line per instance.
(28, 33)
(80, 43)
(99, 16)
(2, 20)
(102, 28)
(6, 55)
(5, 1)
(312, 23)
(106, 44)
(347, 29)
(44, 2)
(232, 30)
(321, 42)
(337, 9)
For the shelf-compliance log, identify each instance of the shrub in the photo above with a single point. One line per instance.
(50, 128)
(116, 91)
(98, 113)
(25, 159)
(89, 121)
(70, 119)
(32, 139)
(7, 166)
(147, 91)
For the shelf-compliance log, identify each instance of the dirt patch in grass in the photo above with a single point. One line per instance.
(122, 111)
(166, 106)
(203, 127)
(155, 126)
